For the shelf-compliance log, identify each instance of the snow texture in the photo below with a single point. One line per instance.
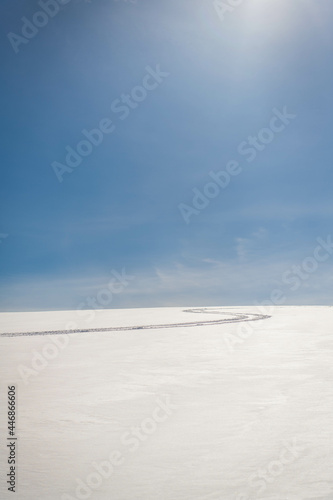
(171, 404)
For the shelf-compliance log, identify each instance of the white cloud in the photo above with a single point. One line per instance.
(245, 247)
(238, 281)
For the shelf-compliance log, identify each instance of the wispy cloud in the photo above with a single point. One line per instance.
(245, 247)
(241, 280)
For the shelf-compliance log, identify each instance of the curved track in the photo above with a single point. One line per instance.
(237, 318)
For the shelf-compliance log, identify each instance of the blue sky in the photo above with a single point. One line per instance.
(119, 208)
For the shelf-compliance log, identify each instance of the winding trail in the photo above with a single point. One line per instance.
(237, 318)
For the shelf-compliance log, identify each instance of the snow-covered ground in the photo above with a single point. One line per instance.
(226, 408)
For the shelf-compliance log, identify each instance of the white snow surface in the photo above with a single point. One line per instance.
(209, 411)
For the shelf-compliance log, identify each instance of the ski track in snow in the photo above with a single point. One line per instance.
(238, 317)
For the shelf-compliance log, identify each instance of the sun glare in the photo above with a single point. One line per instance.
(272, 16)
